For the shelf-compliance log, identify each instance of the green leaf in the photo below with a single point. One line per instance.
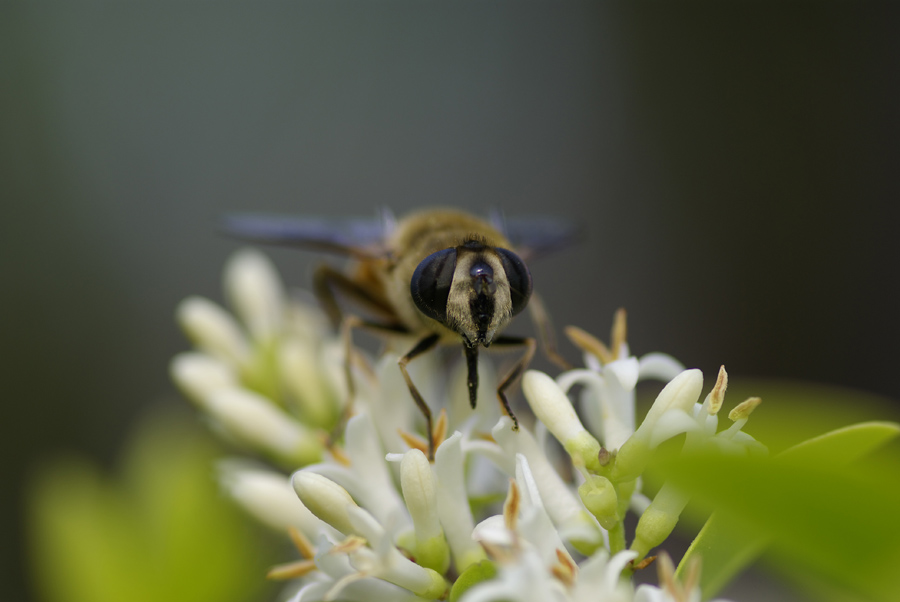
(823, 515)
(162, 531)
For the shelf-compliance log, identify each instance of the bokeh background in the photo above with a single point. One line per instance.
(733, 167)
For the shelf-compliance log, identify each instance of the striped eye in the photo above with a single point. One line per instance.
(430, 284)
(519, 279)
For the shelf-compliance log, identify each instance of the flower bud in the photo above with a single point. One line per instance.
(554, 409)
(599, 497)
(658, 520)
(213, 330)
(253, 420)
(256, 292)
(418, 485)
(325, 498)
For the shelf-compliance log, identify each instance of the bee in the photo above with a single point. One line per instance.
(444, 276)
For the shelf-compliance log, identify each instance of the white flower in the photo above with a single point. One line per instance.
(368, 477)
(454, 512)
(533, 562)
(420, 494)
(608, 399)
(269, 497)
(576, 525)
(660, 517)
(390, 526)
(672, 590)
(270, 378)
(371, 552)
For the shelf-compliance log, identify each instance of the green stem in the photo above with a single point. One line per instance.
(617, 538)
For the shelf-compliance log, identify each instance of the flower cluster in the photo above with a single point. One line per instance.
(499, 515)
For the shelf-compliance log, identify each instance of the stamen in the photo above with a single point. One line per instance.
(498, 553)
(666, 571)
(338, 454)
(351, 544)
(291, 570)
(619, 333)
(300, 541)
(692, 578)
(589, 344)
(439, 432)
(643, 563)
(341, 583)
(565, 569)
(413, 441)
(744, 409)
(717, 396)
(511, 507)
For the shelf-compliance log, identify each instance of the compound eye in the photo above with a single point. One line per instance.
(519, 279)
(430, 284)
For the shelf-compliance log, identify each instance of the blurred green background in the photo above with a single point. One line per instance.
(733, 167)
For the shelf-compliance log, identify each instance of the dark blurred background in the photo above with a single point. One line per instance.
(733, 167)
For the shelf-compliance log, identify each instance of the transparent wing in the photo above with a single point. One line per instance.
(355, 237)
(536, 236)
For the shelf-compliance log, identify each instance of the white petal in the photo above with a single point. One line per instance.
(551, 405)
(198, 375)
(376, 590)
(256, 292)
(254, 420)
(625, 371)
(392, 408)
(453, 505)
(608, 407)
(420, 493)
(651, 593)
(598, 578)
(493, 530)
(659, 366)
(525, 581)
(300, 366)
(269, 497)
(213, 330)
(561, 503)
(672, 423)
(535, 525)
(375, 486)
(681, 393)
(324, 498)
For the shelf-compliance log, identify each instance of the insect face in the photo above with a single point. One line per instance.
(472, 289)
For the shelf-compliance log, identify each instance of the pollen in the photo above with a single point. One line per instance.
(414, 441)
(291, 570)
(743, 410)
(302, 543)
(589, 344)
(565, 568)
(717, 396)
(619, 334)
(594, 346)
(351, 544)
(511, 506)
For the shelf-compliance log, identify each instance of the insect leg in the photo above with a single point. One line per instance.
(328, 280)
(347, 326)
(472, 365)
(519, 367)
(544, 327)
(424, 345)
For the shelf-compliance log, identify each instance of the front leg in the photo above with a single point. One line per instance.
(424, 345)
(530, 346)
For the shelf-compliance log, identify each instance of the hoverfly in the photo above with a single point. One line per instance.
(439, 274)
